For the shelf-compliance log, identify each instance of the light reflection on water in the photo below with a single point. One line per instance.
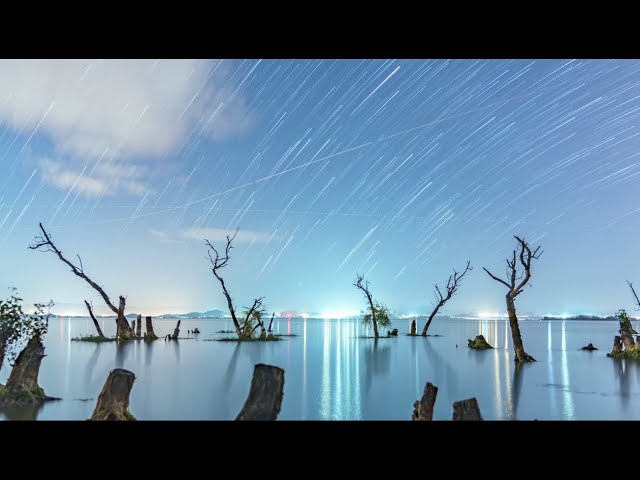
(333, 371)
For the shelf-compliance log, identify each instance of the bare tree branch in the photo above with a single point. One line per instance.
(635, 295)
(45, 244)
(453, 284)
(496, 278)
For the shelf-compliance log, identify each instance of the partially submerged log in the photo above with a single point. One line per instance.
(479, 343)
(423, 408)
(113, 402)
(393, 333)
(150, 335)
(413, 327)
(176, 332)
(589, 347)
(22, 386)
(139, 326)
(466, 410)
(265, 397)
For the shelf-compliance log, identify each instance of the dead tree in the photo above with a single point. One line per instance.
(270, 331)
(265, 397)
(44, 243)
(150, 335)
(113, 402)
(515, 283)
(22, 386)
(218, 263)
(176, 332)
(453, 284)
(466, 410)
(423, 409)
(413, 327)
(139, 326)
(360, 284)
(93, 317)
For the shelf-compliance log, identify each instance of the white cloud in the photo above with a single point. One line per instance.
(136, 110)
(163, 237)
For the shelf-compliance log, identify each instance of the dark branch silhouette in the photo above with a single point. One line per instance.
(218, 262)
(44, 243)
(453, 284)
(635, 295)
(526, 255)
(95, 322)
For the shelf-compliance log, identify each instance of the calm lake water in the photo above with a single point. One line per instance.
(332, 373)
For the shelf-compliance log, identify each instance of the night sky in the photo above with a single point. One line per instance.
(398, 169)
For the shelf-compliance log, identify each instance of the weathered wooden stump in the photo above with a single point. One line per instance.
(133, 325)
(423, 408)
(393, 333)
(150, 335)
(22, 386)
(466, 410)
(139, 326)
(413, 327)
(265, 396)
(589, 347)
(113, 402)
(617, 346)
(479, 343)
(176, 332)
(195, 330)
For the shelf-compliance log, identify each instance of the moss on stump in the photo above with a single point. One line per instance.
(479, 343)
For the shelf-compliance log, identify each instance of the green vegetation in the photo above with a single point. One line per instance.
(268, 338)
(94, 339)
(382, 314)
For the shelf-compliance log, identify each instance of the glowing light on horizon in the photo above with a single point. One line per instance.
(337, 314)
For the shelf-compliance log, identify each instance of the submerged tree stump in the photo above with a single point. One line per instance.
(413, 327)
(22, 386)
(393, 333)
(113, 402)
(265, 396)
(139, 326)
(466, 410)
(589, 347)
(176, 332)
(423, 408)
(195, 330)
(150, 335)
(479, 343)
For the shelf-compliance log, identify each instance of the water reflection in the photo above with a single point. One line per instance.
(122, 352)
(25, 412)
(92, 362)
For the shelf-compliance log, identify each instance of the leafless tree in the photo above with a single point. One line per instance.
(218, 262)
(44, 243)
(515, 283)
(453, 284)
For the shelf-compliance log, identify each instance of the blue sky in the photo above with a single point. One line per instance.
(400, 169)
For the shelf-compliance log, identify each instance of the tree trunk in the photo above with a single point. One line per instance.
(627, 336)
(22, 386)
(466, 410)
(265, 396)
(431, 317)
(95, 321)
(413, 327)
(423, 409)
(521, 355)
(124, 330)
(176, 331)
(139, 326)
(113, 402)
(3, 349)
(271, 324)
(263, 333)
(617, 345)
(150, 335)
